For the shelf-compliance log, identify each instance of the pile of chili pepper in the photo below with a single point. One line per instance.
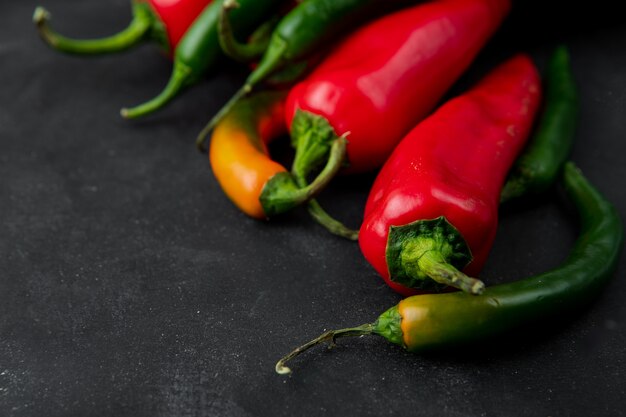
(370, 102)
(431, 321)
(350, 110)
(428, 322)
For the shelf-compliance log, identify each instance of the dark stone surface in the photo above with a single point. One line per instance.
(130, 286)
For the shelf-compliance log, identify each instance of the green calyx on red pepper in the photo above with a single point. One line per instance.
(283, 193)
(428, 255)
(318, 143)
(313, 137)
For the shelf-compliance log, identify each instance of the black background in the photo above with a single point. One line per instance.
(130, 286)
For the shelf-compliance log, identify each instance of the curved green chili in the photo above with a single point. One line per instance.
(426, 322)
(299, 34)
(199, 49)
(143, 25)
(538, 166)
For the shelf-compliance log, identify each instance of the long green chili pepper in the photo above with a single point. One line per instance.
(540, 163)
(199, 49)
(299, 34)
(145, 24)
(426, 322)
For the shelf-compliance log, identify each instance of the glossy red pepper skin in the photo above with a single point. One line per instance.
(177, 16)
(453, 164)
(389, 74)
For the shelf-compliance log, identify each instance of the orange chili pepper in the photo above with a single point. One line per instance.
(238, 153)
(243, 167)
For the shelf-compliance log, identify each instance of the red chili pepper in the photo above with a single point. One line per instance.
(165, 21)
(384, 78)
(178, 15)
(392, 72)
(433, 208)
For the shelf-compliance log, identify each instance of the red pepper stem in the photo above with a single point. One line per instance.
(333, 165)
(315, 209)
(279, 195)
(312, 136)
(177, 81)
(432, 264)
(329, 336)
(428, 254)
(242, 52)
(135, 32)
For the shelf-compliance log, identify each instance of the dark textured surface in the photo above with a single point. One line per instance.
(130, 286)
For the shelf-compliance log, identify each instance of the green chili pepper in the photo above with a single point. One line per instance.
(426, 322)
(199, 49)
(299, 34)
(539, 165)
(147, 23)
(242, 52)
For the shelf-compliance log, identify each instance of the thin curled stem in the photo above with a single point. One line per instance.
(277, 199)
(329, 336)
(336, 157)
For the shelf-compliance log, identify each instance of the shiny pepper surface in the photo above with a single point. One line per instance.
(177, 16)
(445, 178)
(387, 76)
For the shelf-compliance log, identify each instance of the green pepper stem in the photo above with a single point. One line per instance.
(242, 52)
(336, 157)
(136, 31)
(178, 80)
(333, 165)
(329, 336)
(315, 209)
(332, 225)
(204, 133)
(271, 61)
